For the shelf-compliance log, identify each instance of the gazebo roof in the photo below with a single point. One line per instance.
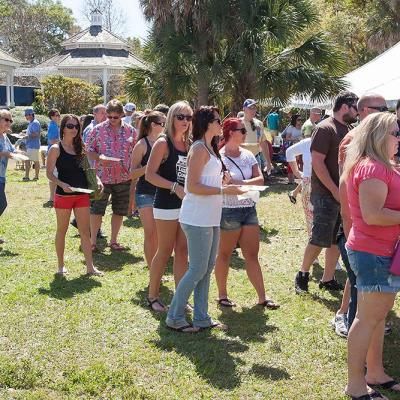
(6, 59)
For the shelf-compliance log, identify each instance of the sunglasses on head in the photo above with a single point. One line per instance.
(72, 126)
(395, 133)
(243, 130)
(181, 117)
(379, 108)
(8, 120)
(160, 123)
(113, 117)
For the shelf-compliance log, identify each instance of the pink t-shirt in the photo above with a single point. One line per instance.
(375, 239)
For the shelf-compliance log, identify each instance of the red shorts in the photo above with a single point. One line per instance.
(72, 201)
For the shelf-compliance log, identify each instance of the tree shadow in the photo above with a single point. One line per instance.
(254, 320)
(269, 373)
(132, 223)
(7, 253)
(213, 357)
(115, 261)
(62, 288)
(266, 233)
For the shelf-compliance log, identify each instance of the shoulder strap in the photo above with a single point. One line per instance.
(147, 142)
(237, 166)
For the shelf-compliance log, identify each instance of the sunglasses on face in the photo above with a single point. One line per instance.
(113, 117)
(396, 134)
(379, 108)
(72, 126)
(181, 117)
(8, 120)
(243, 130)
(216, 120)
(160, 123)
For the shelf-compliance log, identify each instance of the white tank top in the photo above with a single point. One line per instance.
(204, 210)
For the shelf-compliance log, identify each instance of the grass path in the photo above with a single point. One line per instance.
(94, 338)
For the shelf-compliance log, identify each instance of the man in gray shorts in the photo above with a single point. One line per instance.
(325, 192)
(110, 146)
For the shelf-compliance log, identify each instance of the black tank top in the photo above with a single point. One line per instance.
(70, 171)
(174, 170)
(144, 187)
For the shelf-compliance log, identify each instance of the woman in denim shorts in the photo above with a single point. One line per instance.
(151, 127)
(239, 222)
(372, 184)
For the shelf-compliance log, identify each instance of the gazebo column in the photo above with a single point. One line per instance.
(12, 89)
(8, 97)
(105, 82)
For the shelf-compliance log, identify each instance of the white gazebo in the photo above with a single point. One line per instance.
(95, 54)
(8, 65)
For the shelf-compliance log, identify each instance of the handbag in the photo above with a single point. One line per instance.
(395, 264)
(91, 178)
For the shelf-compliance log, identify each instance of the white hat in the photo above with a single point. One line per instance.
(129, 107)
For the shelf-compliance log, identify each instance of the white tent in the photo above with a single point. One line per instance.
(380, 75)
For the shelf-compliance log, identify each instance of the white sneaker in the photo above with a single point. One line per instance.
(338, 266)
(339, 324)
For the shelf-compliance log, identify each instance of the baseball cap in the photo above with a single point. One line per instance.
(316, 110)
(249, 103)
(129, 107)
(29, 111)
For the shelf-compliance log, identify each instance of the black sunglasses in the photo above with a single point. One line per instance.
(72, 126)
(160, 123)
(395, 134)
(243, 130)
(112, 117)
(379, 108)
(181, 117)
(8, 120)
(216, 119)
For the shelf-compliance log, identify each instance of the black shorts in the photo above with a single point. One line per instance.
(326, 220)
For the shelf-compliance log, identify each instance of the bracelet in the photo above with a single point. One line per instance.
(173, 188)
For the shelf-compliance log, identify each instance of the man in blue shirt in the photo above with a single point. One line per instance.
(32, 144)
(273, 120)
(100, 115)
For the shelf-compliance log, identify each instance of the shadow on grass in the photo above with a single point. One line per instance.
(7, 253)
(269, 373)
(62, 288)
(213, 357)
(132, 223)
(250, 325)
(115, 261)
(265, 234)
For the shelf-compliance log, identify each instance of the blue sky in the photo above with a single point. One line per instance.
(135, 26)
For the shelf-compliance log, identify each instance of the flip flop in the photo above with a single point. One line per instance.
(225, 302)
(185, 329)
(156, 301)
(117, 247)
(215, 325)
(95, 273)
(270, 304)
(292, 199)
(385, 386)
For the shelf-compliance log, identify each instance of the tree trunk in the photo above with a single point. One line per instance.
(202, 86)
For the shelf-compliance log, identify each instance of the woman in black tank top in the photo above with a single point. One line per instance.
(166, 169)
(65, 158)
(151, 126)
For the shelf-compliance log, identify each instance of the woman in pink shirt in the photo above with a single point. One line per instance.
(373, 187)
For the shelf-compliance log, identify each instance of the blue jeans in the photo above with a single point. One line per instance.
(352, 278)
(202, 246)
(3, 200)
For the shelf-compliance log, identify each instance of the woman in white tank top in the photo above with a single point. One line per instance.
(200, 217)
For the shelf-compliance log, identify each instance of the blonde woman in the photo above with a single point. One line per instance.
(371, 196)
(166, 169)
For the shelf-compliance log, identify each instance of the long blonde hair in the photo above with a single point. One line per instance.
(370, 141)
(175, 109)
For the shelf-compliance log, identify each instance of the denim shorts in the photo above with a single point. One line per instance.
(326, 220)
(144, 200)
(235, 218)
(372, 272)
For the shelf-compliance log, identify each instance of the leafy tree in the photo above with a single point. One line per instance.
(69, 95)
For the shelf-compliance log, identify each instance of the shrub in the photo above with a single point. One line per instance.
(69, 95)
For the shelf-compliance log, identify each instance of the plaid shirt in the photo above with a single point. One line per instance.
(103, 140)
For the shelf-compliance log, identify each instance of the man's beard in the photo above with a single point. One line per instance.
(349, 119)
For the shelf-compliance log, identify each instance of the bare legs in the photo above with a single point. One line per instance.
(150, 233)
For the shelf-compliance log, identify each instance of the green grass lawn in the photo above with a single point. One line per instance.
(95, 338)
